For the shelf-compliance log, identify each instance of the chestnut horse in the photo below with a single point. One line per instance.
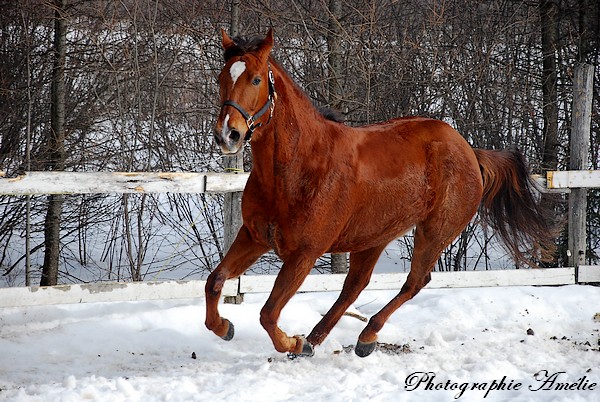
(319, 186)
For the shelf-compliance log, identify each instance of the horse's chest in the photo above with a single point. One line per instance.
(268, 231)
(271, 225)
(288, 217)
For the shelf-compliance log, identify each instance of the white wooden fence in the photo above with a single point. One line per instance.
(572, 179)
(136, 291)
(33, 183)
(79, 183)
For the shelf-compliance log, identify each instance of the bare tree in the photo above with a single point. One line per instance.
(549, 31)
(339, 262)
(56, 145)
(232, 202)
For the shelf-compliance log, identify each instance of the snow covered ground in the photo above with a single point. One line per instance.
(461, 344)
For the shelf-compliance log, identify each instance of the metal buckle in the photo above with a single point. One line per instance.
(272, 107)
(271, 77)
(250, 123)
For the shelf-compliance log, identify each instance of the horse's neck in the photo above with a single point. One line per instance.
(294, 132)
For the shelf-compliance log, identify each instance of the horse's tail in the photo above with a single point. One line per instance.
(510, 207)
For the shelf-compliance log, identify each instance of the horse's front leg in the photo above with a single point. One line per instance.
(242, 254)
(290, 277)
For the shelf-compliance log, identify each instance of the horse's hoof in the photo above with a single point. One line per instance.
(230, 331)
(307, 349)
(364, 349)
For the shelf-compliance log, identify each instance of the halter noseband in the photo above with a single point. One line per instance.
(269, 105)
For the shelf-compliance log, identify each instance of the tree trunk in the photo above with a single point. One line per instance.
(589, 30)
(334, 59)
(549, 17)
(232, 203)
(339, 262)
(56, 146)
(549, 30)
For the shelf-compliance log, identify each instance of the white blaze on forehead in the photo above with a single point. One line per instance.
(236, 70)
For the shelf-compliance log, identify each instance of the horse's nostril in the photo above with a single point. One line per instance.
(234, 135)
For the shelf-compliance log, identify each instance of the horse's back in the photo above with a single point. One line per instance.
(406, 130)
(405, 170)
(411, 145)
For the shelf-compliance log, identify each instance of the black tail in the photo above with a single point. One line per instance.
(510, 208)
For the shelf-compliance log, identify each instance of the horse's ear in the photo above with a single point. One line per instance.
(267, 44)
(226, 40)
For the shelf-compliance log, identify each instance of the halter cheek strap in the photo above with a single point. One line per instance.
(250, 119)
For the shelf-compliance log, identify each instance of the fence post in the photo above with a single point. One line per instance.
(580, 143)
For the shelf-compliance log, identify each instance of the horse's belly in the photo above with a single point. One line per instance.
(363, 234)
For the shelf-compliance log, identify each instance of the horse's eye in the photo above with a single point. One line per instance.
(256, 81)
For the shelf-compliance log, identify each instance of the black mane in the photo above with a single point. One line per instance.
(331, 114)
(243, 45)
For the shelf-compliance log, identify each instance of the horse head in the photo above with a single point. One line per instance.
(247, 90)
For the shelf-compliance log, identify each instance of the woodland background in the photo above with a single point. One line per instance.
(131, 85)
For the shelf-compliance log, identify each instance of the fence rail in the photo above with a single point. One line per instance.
(248, 284)
(36, 183)
(572, 179)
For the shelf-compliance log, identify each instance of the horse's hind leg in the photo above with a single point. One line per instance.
(243, 252)
(431, 238)
(361, 268)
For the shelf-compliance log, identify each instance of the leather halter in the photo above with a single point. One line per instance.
(269, 105)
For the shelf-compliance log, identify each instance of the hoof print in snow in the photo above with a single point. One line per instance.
(387, 348)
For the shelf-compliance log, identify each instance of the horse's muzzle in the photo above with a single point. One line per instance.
(228, 139)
